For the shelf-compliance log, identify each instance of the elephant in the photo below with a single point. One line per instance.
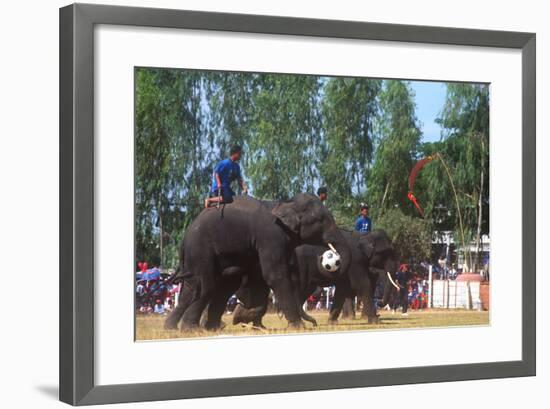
(254, 239)
(373, 258)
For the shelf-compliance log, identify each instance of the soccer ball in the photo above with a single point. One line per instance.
(330, 261)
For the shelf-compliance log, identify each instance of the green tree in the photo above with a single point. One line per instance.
(465, 149)
(397, 149)
(350, 109)
(229, 99)
(171, 125)
(411, 236)
(152, 163)
(358, 136)
(284, 133)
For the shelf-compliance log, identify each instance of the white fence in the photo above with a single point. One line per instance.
(455, 294)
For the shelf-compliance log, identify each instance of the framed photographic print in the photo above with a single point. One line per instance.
(284, 188)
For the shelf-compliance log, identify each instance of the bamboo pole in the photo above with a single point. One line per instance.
(457, 205)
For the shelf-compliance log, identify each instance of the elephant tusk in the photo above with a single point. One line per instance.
(391, 280)
(330, 246)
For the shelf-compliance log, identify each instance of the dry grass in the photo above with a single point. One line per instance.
(150, 327)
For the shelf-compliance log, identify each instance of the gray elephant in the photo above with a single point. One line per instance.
(373, 259)
(251, 238)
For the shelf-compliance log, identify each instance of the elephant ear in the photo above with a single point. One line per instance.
(287, 215)
(366, 245)
(383, 244)
(374, 242)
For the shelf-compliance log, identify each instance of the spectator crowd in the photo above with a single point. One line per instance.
(155, 294)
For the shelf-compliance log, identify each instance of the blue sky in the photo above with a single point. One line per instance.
(429, 98)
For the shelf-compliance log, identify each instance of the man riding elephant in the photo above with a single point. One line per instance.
(256, 237)
(225, 173)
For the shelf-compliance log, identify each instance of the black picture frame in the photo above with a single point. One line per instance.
(77, 386)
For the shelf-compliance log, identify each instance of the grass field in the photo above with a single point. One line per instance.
(150, 327)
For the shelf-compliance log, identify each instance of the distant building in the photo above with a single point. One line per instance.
(443, 243)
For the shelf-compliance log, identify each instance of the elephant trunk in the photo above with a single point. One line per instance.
(337, 242)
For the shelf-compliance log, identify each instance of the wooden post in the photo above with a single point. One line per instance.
(457, 208)
(177, 295)
(430, 287)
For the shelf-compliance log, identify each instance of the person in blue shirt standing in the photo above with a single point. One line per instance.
(225, 173)
(363, 224)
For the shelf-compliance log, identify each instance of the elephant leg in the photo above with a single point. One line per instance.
(369, 310)
(367, 298)
(245, 315)
(215, 312)
(208, 286)
(287, 303)
(282, 288)
(185, 297)
(218, 303)
(364, 288)
(191, 316)
(337, 304)
(253, 296)
(348, 309)
(254, 314)
(276, 276)
(259, 297)
(366, 294)
(241, 315)
(259, 314)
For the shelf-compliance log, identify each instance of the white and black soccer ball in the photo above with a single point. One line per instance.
(330, 261)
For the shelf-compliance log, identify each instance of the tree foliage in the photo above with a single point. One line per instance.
(465, 149)
(410, 235)
(398, 144)
(283, 139)
(350, 109)
(172, 158)
(358, 136)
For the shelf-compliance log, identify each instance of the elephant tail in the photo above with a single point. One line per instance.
(182, 258)
(180, 274)
(182, 277)
(177, 277)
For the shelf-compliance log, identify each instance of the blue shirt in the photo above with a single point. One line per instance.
(363, 224)
(228, 171)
